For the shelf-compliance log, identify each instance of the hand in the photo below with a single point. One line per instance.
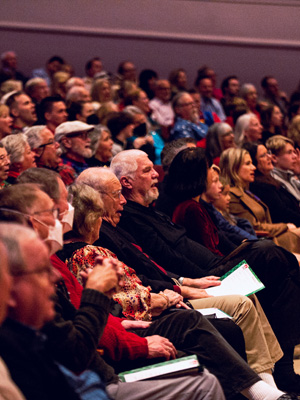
(194, 293)
(106, 276)
(296, 231)
(159, 346)
(202, 283)
(128, 324)
(174, 297)
(291, 226)
(139, 142)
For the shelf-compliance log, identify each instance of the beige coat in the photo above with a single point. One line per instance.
(248, 206)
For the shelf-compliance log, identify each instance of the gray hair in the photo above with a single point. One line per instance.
(133, 110)
(125, 163)
(15, 146)
(242, 124)
(171, 149)
(96, 135)
(214, 134)
(95, 177)
(30, 85)
(176, 99)
(14, 237)
(33, 135)
(74, 93)
(245, 89)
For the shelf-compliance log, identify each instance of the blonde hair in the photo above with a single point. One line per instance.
(277, 144)
(293, 132)
(230, 164)
(3, 109)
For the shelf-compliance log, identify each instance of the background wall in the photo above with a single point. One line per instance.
(248, 38)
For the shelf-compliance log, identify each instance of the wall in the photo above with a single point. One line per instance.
(248, 38)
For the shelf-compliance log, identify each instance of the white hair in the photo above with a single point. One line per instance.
(33, 135)
(245, 89)
(30, 85)
(242, 124)
(95, 177)
(125, 162)
(15, 146)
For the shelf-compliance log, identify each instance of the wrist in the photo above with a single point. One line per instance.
(166, 298)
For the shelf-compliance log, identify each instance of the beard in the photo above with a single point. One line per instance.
(151, 195)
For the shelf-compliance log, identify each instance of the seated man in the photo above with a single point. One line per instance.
(284, 159)
(22, 111)
(169, 246)
(75, 144)
(47, 151)
(208, 103)
(187, 122)
(53, 112)
(8, 389)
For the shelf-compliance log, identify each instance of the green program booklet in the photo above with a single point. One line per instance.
(164, 369)
(239, 280)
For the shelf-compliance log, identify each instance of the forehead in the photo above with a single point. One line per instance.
(247, 158)
(112, 184)
(185, 98)
(143, 163)
(58, 106)
(3, 151)
(163, 84)
(261, 149)
(39, 249)
(46, 134)
(206, 82)
(139, 118)
(23, 98)
(62, 188)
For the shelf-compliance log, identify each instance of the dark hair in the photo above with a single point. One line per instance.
(293, 109)
(251, 147)
(200, 78)
(264, 81)
(12, 98)
(226, 81)
(171, 149)
(89, 64)
(266, 116)
(56, 58)
(46, 104)
(187, 174)
(74, 109)
(118, 122)
(144, 77)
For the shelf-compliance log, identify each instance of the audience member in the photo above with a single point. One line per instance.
(101, 144)
(53, 112)
(37, 89)
(161, 106)
(53, 65)
(178, 81)
(147, 82)
(219, 138)
(20, 155)
(101, 92)
(208, 102)
(92, 68)
(247, 129)
(76, 94)
(22, 111)
(6, 121)
(273, 95)
(187, 122)
(121, 127)
(271, 120)
(127, 71)
(230, 88)
(248, 92)
(80, 111)
(208, 71)
(58, 84)
(4, 166)
(9, 68)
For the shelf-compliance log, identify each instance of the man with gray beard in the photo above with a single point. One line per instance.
(187, 123)
(75, 144)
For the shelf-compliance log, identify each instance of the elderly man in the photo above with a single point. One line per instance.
(208, 103)
(37, 89)
(53, 112)
(22, 111)
(162, 111)
(127, 71)
(77, 93)
(169, 245)
(47, 151)
(75, 143)
(187, 122)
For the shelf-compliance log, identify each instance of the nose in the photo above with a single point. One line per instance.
(154, 173)
(123, 201)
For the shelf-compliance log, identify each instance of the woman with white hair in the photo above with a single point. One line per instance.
(101, 144)
(247, 129)
(219, 138)
(21, 156)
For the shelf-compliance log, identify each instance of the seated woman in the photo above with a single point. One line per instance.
(21, 156)
(219, 137)
(101, 144)
(282, 205)
(4, 166)
(138, 302)
(272, 122)
(247, 129)
(237, 169)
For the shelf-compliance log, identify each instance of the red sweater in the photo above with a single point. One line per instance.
(116, 342)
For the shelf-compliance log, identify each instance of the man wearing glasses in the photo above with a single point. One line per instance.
(75, 145)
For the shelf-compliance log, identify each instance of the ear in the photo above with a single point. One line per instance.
(66, 142)
(14, 112)
(12, 302)
(126, 182)
(274, 159)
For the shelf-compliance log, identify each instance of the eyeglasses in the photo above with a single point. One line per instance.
(40, 150)
(49, 270)
(54, 211)
(3, 158)
(81, 135)
(116, 195)
(267, 153)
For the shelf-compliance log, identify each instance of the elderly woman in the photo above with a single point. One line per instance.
(101, 144)
(282, 205)
(247, 129)
(135, 299)
(219, 137)
(272, 121)
(6, 121)
(238, 170)
(21, 156)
